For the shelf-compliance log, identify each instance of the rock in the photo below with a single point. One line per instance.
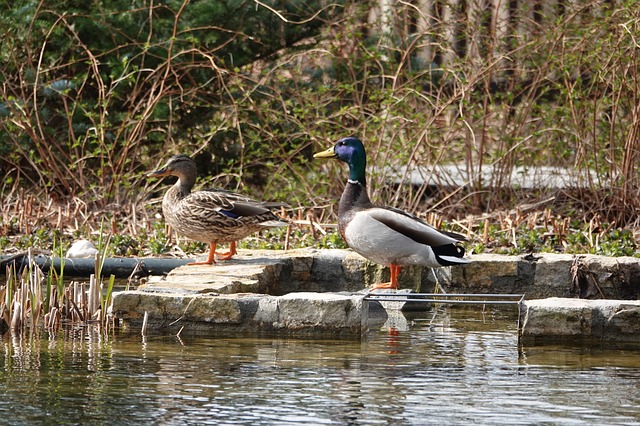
(306, 313)
(81, 249)
(165, 309)
(279, 272)
(268, 272)
(311, 270)
(490, 273)
(579, 321)
(606, 277)
(551, 276)
(523, 177)
(545, 275)
(329, 311)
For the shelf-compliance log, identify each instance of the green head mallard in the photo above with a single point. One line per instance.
(383, 234)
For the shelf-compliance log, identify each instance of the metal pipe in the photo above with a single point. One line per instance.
(452, 302)
(81, 267)
(446, 298)
(489, 295)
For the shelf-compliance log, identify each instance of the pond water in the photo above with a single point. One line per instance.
(449, 366)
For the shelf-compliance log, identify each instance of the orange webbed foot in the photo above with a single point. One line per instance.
(393, 284)
(228, 255)
(224, 256)
(211, 259)
(201, 263)
(387, 285)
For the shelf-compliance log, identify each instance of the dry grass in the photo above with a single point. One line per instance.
(30, 301)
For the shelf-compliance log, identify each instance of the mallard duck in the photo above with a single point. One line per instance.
(211, 216)
(382, 234)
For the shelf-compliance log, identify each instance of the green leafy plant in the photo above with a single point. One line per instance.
(82, 117)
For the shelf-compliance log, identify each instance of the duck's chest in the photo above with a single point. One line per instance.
(369, 238)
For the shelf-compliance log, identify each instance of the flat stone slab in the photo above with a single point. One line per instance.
(312, 292)
(273, 272)
(316, 314)
(523, 177)
(281, 272)
(556, 319)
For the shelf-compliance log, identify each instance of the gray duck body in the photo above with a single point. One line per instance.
(391, 236)
(383, 234)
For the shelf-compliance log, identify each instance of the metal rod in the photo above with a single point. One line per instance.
(453, 302)
(489, 295)
(446, 298)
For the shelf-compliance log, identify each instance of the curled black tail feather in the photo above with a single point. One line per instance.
(449, 250)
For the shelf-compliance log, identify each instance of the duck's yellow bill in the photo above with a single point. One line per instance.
(329, 153)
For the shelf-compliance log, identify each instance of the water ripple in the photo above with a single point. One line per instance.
(450, 367)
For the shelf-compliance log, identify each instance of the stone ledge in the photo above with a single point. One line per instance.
(548, 275)
(269, 272)
(566, 321)
(282, 272)
(297, 313)
(242, 295)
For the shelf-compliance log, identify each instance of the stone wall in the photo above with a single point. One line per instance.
(322, 291)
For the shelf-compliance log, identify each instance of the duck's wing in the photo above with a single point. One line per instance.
(412, 226)
(228, 203)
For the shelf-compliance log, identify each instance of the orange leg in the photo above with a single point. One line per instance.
(393, 284)
(210, 259)
(228, 255)
(221, 256)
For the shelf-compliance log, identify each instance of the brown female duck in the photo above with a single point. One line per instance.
(211, 216)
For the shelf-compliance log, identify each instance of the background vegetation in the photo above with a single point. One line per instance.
(95, 94)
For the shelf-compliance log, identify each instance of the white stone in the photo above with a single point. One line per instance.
(81, 249)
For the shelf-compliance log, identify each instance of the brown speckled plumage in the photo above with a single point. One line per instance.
(211, 216)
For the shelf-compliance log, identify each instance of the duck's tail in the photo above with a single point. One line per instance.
(273, 223)
(450, 254)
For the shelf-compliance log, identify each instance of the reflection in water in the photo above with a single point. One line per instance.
(447, 366)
